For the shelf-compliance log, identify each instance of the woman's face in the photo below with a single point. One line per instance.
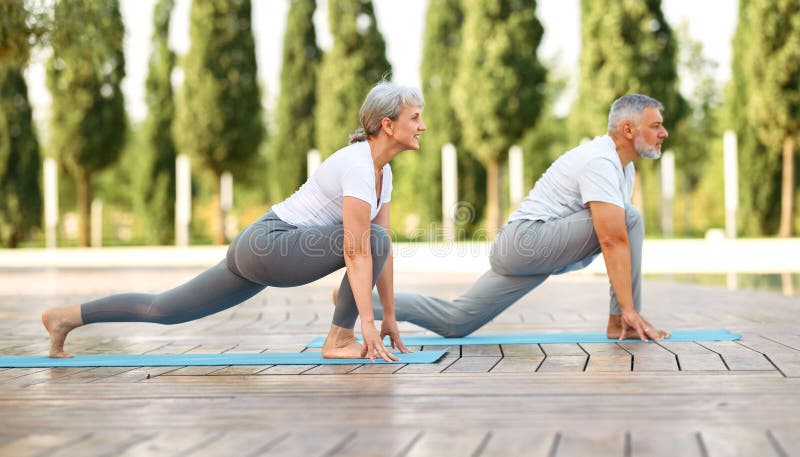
(408, 126)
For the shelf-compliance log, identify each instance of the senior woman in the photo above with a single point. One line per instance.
(338, 218)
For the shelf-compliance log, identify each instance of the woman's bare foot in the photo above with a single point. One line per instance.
(59, 322)
(341, 343)
(614, 329)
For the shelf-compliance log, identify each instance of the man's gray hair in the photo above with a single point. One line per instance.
(630, 108)
(384, 100)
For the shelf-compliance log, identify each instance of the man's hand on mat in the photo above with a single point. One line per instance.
(633, 325)
(389, 327)
(373, 344)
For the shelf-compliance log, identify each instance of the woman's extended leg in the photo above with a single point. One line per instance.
(212, 291)
(286, 256)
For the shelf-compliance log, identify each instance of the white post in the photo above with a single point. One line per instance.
(449, 191)
(226, 205)
(667, 191)
(731, 166)
(516, 175)
(313, 160)
(183, 199)
(50, 201)
(97, 223)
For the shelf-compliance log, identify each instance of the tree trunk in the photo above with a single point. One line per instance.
(493, 222)
(219, 223)
(787, 190)
(84, 201)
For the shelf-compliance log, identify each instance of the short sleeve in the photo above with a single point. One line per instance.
(600, 181)
(358, 182)
(386, 191)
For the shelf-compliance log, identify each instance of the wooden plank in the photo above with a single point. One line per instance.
(93, 374)
(701, 362)
(378, 443)
(785, 439)
(310, 443)
(604, 357)
(788, 364)
(522, 442)
(40, 443)
(481, 350)
(286, 369)
(563, 349)
(563, 364)
(135, 375)
(376, 368)
(109, 443)
(240, 370)
(734, 440)
(651, 357)
(590, 442)
(331, 369)
(657, 443)
(518, 364)
(169, 443)
(738, 357)
(473, 364)
(522, 350)
(240, 443)
(440, 442)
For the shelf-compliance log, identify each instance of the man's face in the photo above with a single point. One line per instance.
(650, 134)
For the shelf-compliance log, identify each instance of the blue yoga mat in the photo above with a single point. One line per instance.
(180, 360)
(553, 338)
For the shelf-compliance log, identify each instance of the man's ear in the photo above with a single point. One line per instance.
(627, 129)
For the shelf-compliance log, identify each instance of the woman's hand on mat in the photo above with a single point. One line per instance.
(373, 344)
(389, 327)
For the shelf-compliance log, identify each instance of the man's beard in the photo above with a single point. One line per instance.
(645, 150)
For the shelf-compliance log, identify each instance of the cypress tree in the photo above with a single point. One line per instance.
(498, 92)
(219, 119)
(84, 75)
(759, 192)
(773, 77)
(159, 194)
(20, 163)
(627, 47)
(294, 133)
(355, 63)
(442, 43)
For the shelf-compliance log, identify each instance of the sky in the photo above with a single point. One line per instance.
(712, 22)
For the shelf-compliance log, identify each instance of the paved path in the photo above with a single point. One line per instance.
(703, 399)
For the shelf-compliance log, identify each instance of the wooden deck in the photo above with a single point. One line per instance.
(687, 399)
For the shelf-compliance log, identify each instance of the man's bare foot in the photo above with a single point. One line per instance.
(614, 329)
(341, 343)
(59, 322)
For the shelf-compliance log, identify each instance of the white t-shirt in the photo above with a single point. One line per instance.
(589, 172)
(349, 172)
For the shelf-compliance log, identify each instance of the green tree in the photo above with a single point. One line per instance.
(84, 74)
(442, 43)
(355, 63)
(20, 163)
(498, 92)
(627, 47)
(773, 76)
(219, 120)
(159, 195)
(294, 133)
(23, 24)
(759, 191)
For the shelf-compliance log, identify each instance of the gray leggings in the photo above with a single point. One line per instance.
(523, 255)
(269, 252)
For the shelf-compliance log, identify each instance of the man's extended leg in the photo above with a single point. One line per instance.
(487, 298)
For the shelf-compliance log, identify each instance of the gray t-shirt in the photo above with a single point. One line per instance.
(589, 172)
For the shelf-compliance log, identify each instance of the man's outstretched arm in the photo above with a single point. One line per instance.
(609, 226)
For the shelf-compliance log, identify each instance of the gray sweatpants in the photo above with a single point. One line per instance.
(269, 252)
(523, 255)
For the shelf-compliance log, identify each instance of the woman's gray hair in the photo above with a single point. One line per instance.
(630, 108)
(384, 100)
